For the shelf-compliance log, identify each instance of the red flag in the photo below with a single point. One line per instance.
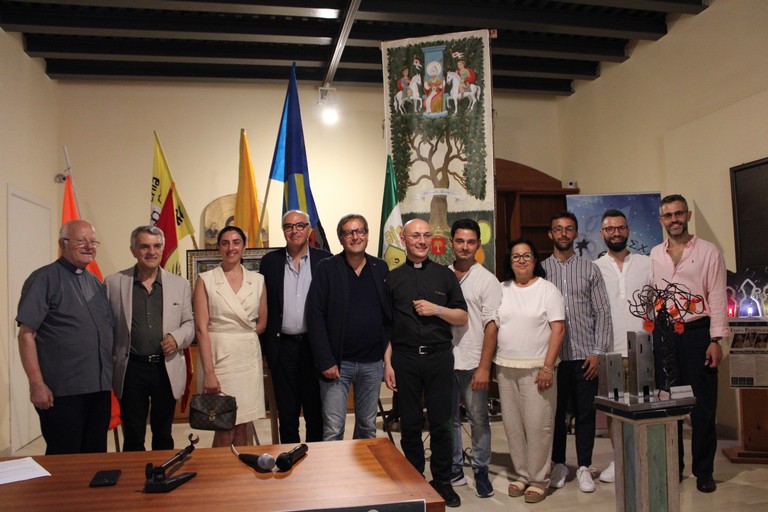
(114, 418)
(167, 222)
(69, 207)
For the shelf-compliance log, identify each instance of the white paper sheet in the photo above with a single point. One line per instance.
(21, 469)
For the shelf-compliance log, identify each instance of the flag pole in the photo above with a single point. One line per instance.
(263, 209)
(68, 170)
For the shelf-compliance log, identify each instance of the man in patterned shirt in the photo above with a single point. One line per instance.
(588, 332)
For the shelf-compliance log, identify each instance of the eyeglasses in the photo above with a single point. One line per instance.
(678, 213)
(348, 233)
(80, 242)
(415, 237)
(526, 256)
(612, 229)
(560, 229)
(300, 226)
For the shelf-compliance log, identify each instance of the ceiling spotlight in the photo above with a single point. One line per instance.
(330, 115)
(326, 98)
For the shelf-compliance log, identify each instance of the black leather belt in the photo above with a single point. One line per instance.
(699, 323)
(294, 337)
(423, 350)
(154, 358)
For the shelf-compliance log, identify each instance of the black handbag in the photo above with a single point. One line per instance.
(212, 412)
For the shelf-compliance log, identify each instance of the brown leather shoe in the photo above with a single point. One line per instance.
(706, 484)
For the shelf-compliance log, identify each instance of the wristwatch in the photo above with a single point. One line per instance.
(715, 340)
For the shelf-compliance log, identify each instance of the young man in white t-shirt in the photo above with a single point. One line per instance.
(474, 345)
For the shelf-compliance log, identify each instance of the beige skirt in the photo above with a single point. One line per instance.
(238, 366)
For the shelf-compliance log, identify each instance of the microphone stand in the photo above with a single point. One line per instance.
(158, 479)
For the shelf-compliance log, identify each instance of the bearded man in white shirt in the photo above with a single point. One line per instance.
(623, 273)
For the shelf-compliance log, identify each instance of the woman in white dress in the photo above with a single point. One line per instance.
(531, 329)
(230, 305)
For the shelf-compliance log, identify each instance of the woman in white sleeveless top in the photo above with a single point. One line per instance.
(230, 305)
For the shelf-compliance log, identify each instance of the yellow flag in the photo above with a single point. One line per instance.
(247, 201)
(161, 183)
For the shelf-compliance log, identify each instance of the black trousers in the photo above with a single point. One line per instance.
(147, 391)
(297, 388)
(573, 386)
(426, 380)
(76, 423)
(690, 350)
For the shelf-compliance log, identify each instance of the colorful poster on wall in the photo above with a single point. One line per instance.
(641, 210)
(437, 93)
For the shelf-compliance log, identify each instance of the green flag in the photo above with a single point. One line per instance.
(391, 248)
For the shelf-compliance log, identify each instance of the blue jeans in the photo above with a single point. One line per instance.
(334, 394)
(476, 405)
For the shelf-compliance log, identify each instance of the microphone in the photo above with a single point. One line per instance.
(286, 460)
(262, 463)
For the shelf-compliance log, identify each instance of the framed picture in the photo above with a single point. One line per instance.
(202, 260)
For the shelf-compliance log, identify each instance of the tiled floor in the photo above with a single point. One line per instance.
(741, 487)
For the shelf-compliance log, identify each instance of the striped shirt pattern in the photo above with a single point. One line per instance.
(588, 327)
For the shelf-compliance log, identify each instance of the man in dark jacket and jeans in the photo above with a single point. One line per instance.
(348, 322)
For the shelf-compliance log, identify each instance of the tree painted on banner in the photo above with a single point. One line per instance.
(446, 149)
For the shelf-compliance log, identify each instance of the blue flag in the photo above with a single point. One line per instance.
(289, 163)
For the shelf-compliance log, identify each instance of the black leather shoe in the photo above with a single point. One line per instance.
(706, 484)
(445, 490)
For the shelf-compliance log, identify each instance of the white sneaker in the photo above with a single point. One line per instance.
(458, 479)
(558, 475)
(584, 477)
(609, 474)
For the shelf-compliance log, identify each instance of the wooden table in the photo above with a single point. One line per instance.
(332, 475)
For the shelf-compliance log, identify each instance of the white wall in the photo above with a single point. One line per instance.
(28, 160)
(526, 130)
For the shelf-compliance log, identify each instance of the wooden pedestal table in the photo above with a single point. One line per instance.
(645, 451)
(753, 407)
(332, 476)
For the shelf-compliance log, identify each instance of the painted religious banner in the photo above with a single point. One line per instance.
(641, 211)
(437, 93)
